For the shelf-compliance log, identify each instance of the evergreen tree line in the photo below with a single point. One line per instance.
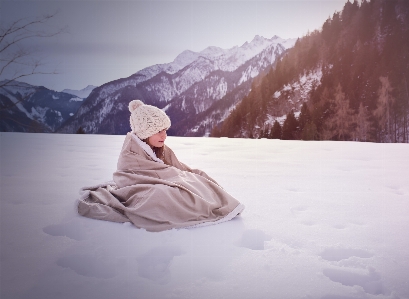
(363, 53)
(293, 128)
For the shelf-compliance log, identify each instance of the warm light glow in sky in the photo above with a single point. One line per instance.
(108, 40)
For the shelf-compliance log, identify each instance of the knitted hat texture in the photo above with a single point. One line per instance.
(147, 120)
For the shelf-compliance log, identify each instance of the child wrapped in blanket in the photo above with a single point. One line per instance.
(151, 188)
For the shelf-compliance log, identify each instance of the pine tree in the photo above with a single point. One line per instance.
(276, 131)
(405, 101)
(309, 131)
(362, 124)
(340, 124)
(290, 127)
(215, 132)
(261, 135)
(383, 110)
(305, 117)
(80, 131)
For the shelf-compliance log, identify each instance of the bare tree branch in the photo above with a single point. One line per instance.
(15, 103)
(14, 59)
(17, 32)
(14, 55)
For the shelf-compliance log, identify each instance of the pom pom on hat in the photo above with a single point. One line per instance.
(134, 104)
(147, 120)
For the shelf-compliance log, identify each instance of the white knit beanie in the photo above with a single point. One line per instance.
(147, 120)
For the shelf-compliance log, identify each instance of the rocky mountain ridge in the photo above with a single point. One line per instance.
(28, 108)
(185, 88)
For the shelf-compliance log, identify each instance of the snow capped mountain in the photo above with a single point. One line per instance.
(227, 60)
(219, 105)
(187, 86)
(83, 93)
(183, 59)
(28, 108)
(230, 60)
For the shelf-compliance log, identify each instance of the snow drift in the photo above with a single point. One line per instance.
(323, 220)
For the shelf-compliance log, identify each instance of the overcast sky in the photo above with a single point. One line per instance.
(108, 40)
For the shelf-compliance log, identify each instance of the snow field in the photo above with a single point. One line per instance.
(322, 220)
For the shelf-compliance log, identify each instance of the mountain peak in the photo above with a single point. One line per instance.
(183, 59)
(82, 93)
(212, 51)
(258, 38)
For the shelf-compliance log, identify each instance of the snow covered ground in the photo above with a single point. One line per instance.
(326, 220)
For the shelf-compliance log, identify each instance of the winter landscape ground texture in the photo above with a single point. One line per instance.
(324, 220)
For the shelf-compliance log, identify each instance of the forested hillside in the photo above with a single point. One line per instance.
(360, 57)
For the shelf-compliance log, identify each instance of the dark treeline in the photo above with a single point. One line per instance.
(363, 54)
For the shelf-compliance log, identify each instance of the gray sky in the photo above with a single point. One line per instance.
(108, 40)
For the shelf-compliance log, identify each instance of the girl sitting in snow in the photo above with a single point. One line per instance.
(151, 187)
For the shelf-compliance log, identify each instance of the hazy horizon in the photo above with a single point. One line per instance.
(108, 40)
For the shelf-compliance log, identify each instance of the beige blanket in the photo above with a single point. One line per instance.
(156, 196)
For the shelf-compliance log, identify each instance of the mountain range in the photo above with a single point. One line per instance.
(28, 108)
(197, 90)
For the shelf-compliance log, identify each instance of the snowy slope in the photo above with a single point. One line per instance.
(292, 96)
(323, 220)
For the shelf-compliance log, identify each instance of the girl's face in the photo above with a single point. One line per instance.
(158, 140)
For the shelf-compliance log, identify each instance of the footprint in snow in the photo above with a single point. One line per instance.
(339, 226)
(299, 209)
(253, 239)
(337, 254)
(396, 190)
(370, 282)
(88, 266)
(154, 265)
(72, 230)
(309, 222)
(293, 189)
